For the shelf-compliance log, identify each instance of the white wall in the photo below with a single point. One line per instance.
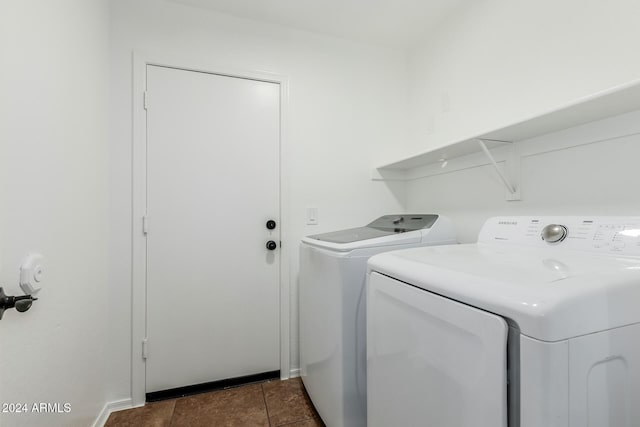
(346, 103)
(496, 62)
(53, 198)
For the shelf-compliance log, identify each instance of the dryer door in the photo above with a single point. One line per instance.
(432, 361)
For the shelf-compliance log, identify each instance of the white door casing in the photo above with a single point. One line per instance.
(222, 208)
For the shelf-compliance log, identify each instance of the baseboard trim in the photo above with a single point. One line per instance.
(294, 373)
(109, 407)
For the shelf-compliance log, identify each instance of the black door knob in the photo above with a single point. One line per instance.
(271, 224)
(271, 245)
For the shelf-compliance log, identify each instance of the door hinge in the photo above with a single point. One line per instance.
(145, 224)
(145, 100)
(145, 349)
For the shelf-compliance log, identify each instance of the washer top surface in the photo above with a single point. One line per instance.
(355, 234)
(385, 231)
(585, 283)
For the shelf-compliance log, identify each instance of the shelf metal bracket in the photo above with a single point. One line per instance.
(513, 191)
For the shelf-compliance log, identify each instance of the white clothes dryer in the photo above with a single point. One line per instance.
(536, 325)
(333, 270)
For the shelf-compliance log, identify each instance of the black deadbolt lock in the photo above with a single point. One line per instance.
(271, 245)
(271, 224)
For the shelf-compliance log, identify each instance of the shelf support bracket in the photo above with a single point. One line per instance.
(513, 192)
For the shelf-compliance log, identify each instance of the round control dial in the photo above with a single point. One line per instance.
(554, 233)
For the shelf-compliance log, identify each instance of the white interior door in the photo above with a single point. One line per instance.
(212, 184)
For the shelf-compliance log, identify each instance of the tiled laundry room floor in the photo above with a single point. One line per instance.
(271, 403)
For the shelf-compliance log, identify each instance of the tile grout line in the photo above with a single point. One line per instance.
(173, 411)
(264, 399)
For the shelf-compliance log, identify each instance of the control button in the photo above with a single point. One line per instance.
(554, 233)
(398, 220)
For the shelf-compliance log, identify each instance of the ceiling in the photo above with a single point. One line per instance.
(394, 23)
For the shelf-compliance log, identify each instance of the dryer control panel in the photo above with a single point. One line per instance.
(605, 234)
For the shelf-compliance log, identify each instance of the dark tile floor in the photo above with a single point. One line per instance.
(269, 404)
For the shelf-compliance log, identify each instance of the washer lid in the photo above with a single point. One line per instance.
(386, 225)
(354, 235)
(551, 295)
(384, 231)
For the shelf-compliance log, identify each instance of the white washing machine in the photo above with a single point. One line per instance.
(333, 270)
(536, 325)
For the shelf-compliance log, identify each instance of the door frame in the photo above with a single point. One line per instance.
(139, 194)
